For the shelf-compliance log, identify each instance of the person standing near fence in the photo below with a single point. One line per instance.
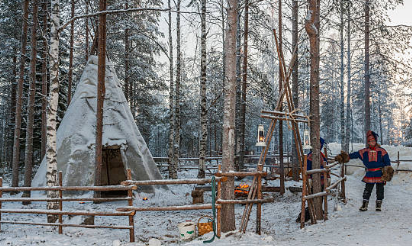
(377, 162)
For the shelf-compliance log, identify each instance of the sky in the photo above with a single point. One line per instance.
(401, 15)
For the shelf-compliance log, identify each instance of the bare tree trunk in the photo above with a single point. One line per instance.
(12, 112)
(312, 27)
(126, 59)
(228, 146)
(282, 175)
(342, 70)
(367, 75)
(69, 89)
(19, 95)
(51, 152)
(203, 109)
(87, 31)
(244, 87)
(101, 91)
(238, 90)
(348, 92)
(176, 151)
(28, 157)
(295, 82)
(44, 85)
(170, 153)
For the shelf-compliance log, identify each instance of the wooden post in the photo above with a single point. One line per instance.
(60, 202)
(1, 195)
(398, 161)
(130, 203)
(302, 212)
(325, 198)
(342, 184)
(219, 193)
(259, 205)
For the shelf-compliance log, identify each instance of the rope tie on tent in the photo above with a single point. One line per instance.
(213, 210)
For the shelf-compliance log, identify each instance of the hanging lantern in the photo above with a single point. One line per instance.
(261, 136)
(306, 140)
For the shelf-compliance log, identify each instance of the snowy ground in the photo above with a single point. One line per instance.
(346, 226)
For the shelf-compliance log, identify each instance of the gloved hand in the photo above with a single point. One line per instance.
(387, 173)
(343, 157)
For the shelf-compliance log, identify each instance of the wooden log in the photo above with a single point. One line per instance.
(60, 202)
(303, 203)
(283, 118)
(266, 200)
(332, 165)
(259, 206)
(335, 184)
(64, 225)
(171, 182)
(71, 188)
(275, 112)
(169, 208)
(313, 171)
(240, 174)
(84, 199)
(40, 211)
(130, 203)
(1, 195)
(320, 194)
(219, 209)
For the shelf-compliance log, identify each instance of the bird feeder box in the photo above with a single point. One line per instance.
(261, 136)
(306, 140)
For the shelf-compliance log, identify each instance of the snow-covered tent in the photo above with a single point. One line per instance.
(123, 145)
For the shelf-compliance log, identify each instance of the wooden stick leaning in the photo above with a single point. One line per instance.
(284, 92)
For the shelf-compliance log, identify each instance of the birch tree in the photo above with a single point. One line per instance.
(203, 109)
(51, 152)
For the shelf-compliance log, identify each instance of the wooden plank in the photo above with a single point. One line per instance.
(40, 211)
(266, 200)
(171, 182)
(64, 225)
(32, 199)
(71, 188)
(169, 208)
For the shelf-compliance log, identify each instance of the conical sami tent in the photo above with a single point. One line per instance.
(123, 145)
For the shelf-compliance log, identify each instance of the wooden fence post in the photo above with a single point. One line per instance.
(61, 202)
(398, 161)
(302, 212)
(219, 193)
(1, 195)
(130, 203)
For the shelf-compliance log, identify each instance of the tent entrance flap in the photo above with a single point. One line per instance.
(113, 171)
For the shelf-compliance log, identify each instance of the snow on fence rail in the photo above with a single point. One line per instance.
(60, 212)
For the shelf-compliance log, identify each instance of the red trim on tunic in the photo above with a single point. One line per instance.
(372, 155)
(373, 169)
(372, 180)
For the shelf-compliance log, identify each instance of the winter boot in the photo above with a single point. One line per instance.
(364, 207)
(378, 205)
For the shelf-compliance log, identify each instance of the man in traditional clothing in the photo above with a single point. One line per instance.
(375, 158)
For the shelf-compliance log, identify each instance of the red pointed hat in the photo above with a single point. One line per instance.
(371, 135)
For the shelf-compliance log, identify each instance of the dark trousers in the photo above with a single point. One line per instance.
(379, 191)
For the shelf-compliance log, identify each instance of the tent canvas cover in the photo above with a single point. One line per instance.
(123, 145)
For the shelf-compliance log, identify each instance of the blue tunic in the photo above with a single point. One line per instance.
(374, 160)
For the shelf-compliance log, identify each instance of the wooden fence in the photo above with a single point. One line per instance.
(60, 212)
(306, 196)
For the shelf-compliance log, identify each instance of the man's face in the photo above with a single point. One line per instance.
(372, 143)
